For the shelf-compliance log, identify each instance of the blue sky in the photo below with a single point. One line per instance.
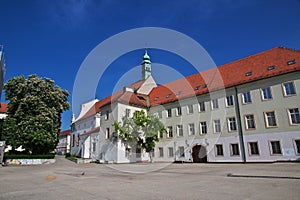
(52, 38)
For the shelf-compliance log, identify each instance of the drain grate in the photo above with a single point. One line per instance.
(257, 176)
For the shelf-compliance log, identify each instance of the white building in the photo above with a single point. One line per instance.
(63, 145)
(243, 111)
(3, 110)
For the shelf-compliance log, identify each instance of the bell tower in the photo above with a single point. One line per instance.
(146, 66)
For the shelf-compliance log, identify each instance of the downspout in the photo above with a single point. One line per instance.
(90, 155)
(240, 132)
(175, 152)
(148, 103)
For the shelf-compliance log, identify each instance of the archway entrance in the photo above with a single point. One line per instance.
(199, 154)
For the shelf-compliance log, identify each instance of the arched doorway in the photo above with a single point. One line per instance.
(199, 154)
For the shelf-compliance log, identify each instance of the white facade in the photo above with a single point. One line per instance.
(111, 149)
(285, 132)
(93, 136)
(255, 120)
(2, 115)
(63, 145)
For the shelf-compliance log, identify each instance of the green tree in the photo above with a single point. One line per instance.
(141, 130)
(34, 113)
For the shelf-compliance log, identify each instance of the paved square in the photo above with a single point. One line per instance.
(67, 180)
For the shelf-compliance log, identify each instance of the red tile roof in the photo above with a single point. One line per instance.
(121, 96)
(65, 133)
(229, 75)
(234, 73)
(224, 76)
(130, 98)
(3, 107)
(136, 85)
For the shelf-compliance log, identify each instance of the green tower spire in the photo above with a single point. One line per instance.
(146, 66)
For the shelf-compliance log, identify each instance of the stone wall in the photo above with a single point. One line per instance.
(29, 161)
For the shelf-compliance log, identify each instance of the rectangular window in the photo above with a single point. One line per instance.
(190, 109)
(253, 148)
(107, 133)
(181, 151)
(179, 130)
(234, 148)
(73, 140)
(127, 152)
(229, 101)
(271, 67)
(160, 134)
(171, 152)
(127, 112)
(106, 115)
(266, 93)
(291, 62)
(289, 89)
(231, 124)
(191, 129)
(275, 147)
(246, 97)
(201, 106)
(77, 140)
(179, 112)
(217, 126)
(297, 146)
(219, 150)
(203, 128)
(161, 152)
(94, 147)
(138, 153)
(249, 121)
(248, 74)
(294, 116)
(214, 104)
(270, 119)
(169, 131)
(169, 112)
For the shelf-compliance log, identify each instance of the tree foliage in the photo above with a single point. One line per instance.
(34, 113)
(141, 129)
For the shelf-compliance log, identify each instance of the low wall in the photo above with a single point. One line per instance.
(80, 160)
(29, 161)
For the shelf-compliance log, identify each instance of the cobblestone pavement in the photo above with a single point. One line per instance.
(67, 180)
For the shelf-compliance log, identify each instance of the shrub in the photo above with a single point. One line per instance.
(28, 156)
(68, 155)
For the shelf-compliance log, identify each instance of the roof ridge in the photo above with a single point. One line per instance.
(244, 58)
(249, 56)
(207, 76)
(258, 54)
(278, 56)
(282, 47)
